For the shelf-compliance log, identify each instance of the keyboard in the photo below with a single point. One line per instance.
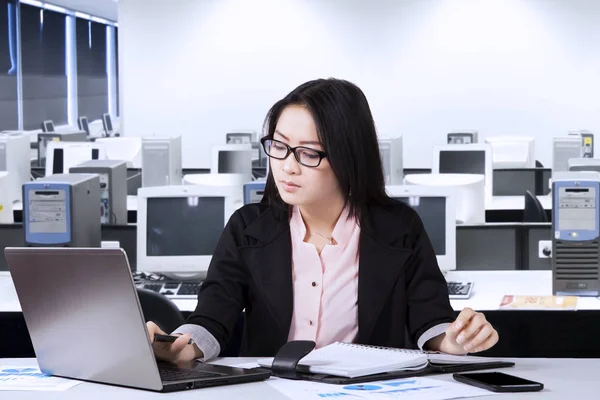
(173, 289)
(460, 290)
(170, 373)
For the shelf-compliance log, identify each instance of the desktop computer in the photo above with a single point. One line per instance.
(512, 151)
(62, 210)
(563, 149)
(390, 151)
(6, 203)
(15, 160)
(254, 191)
(232, 159)
(178, 229)
(576, 239)
(587, 142)
(465, 159)
(61, 156)
(436, 207)
(113, 188)
(161, 161)
(45, 138)
(462, 137)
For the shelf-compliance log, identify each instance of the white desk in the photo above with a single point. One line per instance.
(499, 203)
(562, 379)
(489, 288)
(131, 204)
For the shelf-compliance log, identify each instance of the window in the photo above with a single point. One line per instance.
(92, 77)
(43, 50)
(9, 113)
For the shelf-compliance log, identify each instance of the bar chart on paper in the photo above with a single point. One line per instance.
(410, 388)
(31, 378)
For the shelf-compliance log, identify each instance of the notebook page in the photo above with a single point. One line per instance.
(351, 360)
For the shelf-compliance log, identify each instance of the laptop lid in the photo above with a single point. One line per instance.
(83, 315)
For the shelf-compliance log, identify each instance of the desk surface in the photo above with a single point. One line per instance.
(488, 290)
(498, 203)
(580, 383)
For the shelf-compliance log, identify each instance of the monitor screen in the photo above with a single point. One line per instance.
(462, 162)
(233, 162)
(48, 126)
(432, 211)
(183, 226)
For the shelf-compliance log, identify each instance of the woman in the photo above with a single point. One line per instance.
(327, 255)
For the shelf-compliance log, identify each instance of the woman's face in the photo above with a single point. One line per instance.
(298, 184)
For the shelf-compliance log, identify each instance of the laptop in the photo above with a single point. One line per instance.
(84, 318)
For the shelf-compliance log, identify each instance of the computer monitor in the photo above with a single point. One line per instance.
(465, 159)
(107, 124)
(61, 156)
(239, 137)
(462, 137)
(391, 153)
(584, 164)
(437, 209)
(178, 228)
(83, 124)
(512, 151)
(232, 159)
(15, 159)
(48, 126)
(128, 149)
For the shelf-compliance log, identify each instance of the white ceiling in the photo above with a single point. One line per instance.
(106, 9)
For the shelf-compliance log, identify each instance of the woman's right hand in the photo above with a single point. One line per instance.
(179, 350)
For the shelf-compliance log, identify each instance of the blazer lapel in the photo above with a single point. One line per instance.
(270, 263)
(380, 264)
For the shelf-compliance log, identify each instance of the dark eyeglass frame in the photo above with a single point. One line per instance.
(291, 149)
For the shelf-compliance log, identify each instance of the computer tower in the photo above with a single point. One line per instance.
(62, 210)
(587, 142)
(44, 138)
(576, 239)
(6, 208)
(113, 188)
(161, 161)
(462, 137)
(15, 159)
(390, 150)
(563, 149)
(254, 191)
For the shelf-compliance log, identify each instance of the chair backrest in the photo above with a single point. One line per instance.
(538, 164)
(533, 211)
(160, 310)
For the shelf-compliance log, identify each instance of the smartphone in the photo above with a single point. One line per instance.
(498, 382)
(168, 338)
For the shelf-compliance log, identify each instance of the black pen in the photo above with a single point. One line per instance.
(168, 338)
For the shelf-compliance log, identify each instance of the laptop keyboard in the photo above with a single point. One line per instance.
(459, 290)
(172, 374)
(172, 289)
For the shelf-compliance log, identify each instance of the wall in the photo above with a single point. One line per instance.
(203, 68)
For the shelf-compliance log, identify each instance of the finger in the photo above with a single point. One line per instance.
(153, 329)
(461, 321)
(490, 342)
(484, 333)
(180, 343)
(477, 322)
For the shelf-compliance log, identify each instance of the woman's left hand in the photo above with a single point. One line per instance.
(469, 333)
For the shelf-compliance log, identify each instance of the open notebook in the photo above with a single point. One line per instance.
(349, 360)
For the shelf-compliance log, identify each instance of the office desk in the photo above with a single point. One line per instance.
(562, 379)
(501, 203)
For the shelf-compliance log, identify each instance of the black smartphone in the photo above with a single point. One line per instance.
(168, 338)
(498, 382)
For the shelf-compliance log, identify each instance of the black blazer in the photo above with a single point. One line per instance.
(400, 287)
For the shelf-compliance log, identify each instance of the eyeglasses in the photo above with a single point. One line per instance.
(304, 155)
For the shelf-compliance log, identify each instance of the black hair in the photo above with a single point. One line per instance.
(347, 132)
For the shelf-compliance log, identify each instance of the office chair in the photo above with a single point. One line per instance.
(533, 211)
(538, 164)
(160, 310)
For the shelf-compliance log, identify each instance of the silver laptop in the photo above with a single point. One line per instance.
(84, 318)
